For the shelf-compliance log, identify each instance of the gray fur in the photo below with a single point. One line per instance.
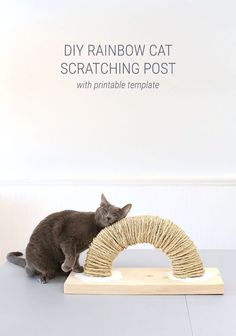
(56, 243)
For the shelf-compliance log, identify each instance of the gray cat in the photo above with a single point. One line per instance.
(58, 240)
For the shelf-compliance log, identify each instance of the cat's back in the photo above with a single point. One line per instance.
(49, 224)
(79, 222)
(63, 221)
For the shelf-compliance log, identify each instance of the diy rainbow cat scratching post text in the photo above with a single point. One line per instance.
(188, 275)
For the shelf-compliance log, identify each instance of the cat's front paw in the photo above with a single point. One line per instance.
(65, 268)
(42, 279)
(78, 269)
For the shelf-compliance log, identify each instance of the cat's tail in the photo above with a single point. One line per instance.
(13, 257)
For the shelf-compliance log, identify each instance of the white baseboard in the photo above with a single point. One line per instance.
(139, 181)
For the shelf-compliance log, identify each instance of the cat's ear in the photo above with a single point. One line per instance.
(126, 209)
(104, 201)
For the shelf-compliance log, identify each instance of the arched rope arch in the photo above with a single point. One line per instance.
(162, 233)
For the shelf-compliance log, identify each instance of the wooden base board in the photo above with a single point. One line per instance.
(145, 281)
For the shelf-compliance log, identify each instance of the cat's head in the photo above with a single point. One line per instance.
(108, 214)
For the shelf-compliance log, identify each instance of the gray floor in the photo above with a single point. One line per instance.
(28, 308)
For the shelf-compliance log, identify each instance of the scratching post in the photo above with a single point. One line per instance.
(162, 233)
(187, 276)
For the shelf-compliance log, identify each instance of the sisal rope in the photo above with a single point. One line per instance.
(162, 233)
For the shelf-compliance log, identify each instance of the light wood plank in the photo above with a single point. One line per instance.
(146, 281)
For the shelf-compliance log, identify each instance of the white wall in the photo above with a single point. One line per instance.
(50, 130)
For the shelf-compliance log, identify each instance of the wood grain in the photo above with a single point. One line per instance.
(146, 281)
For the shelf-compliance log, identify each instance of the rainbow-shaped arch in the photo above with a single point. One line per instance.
(162, 233)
